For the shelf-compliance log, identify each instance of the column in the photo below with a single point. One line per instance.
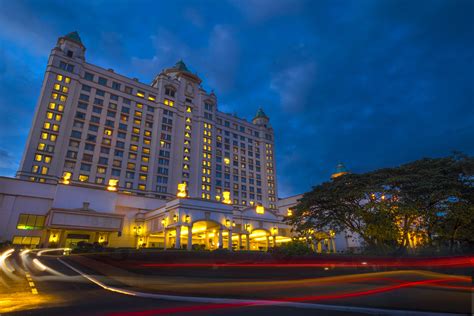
(333, 245)
(240, 242)
(247, 241)
(320, 247)
(206, 240)
(165, 239)
(268, 243)
(177, 244)
(190, 238)
(274, 241)
(215, 240)
(229, 246)
(221, 238)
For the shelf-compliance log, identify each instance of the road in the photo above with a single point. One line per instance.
(44, 285)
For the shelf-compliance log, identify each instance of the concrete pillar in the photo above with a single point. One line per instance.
(320, 247)
(177, 244)
(229, 246)
(221, 245)
(190, 238)
(274, 241)
(247, 241)
(333, 242)
(268, 243)
(165, 239)
(215, 239)
(240, 242)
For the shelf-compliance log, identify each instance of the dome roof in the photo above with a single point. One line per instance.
(340, 171)
(74, 36)
(260, 114)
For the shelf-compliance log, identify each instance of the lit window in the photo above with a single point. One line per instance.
(41, 146)
(52, 137)
(140, 94)
(49, 115)
(38, 157)
(62, 98)
(52, 105)
(59, 78)
(260, 209)
(139, 105)
(65, 89)
(67, 80)
(46, 125)
(44, 170)
(168, 102)
(108, 132)
(142, 187)
(57, 86)
(146, 150)
(83, 178)
(227, 161)
(44, 135)
(151, 98)
(30, 222)
(133, 147)
(189, 109)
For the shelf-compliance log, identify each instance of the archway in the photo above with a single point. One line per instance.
(259, 239)
(206, 234)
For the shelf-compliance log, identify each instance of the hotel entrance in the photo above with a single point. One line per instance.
(73, 239)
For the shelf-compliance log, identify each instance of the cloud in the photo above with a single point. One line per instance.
(293, 84)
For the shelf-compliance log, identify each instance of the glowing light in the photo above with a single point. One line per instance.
(260, 209)
(227, 161)
(226, 197)
(182, 190)
(113, 183)
(66, 177)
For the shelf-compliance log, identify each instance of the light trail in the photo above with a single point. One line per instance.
(292, 300)
(460, 262)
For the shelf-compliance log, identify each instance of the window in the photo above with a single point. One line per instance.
(116, 85)
(26, 241)
(102, 81)
(89, 76)
(30, 222)
(170, 91)
(65, 66)
(76, 134)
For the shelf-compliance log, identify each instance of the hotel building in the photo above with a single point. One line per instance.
(112, 160)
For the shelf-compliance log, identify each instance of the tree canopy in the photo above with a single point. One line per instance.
(428, 202)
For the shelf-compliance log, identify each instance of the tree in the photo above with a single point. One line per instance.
(432, 198)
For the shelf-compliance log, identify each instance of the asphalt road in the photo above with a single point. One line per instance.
(62, 291)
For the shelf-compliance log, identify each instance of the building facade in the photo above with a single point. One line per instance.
(97, 128)
(113, 161)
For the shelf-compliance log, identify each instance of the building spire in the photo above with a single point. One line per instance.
(74, 36)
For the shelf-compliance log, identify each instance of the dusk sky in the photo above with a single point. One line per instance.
(369, 83)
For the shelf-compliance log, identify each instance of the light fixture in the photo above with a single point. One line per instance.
(182, 190)
(227, 222)
(175, 217)
(260, 209)
(113, 183)
(187, 218)
(226, 197)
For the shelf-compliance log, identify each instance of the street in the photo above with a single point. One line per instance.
(52, 284)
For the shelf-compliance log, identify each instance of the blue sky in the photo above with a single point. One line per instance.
(369, 83)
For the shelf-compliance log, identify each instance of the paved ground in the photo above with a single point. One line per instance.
(62, 291)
